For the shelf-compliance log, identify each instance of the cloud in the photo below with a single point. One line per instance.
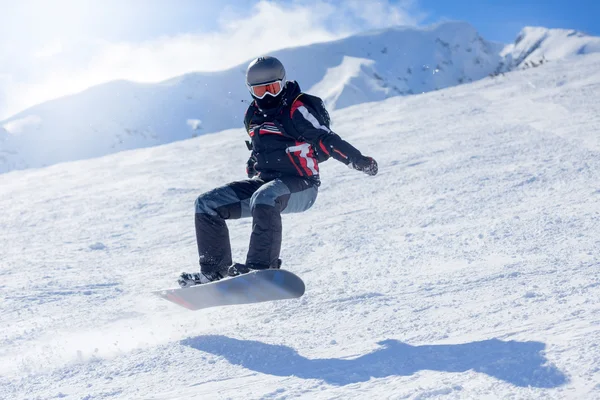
(240, 35)
(379, 14)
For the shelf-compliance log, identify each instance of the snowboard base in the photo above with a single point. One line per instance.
(254, 287)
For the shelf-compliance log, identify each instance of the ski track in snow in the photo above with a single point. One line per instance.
(468, 268)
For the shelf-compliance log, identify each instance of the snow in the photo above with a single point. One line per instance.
(467, 268)
(534, 44)
(369, 67)
(347, 83)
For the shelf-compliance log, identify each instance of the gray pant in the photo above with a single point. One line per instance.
(264, 201)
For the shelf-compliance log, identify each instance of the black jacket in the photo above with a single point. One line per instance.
(290, 140)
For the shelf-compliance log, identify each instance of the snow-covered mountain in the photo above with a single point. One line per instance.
(369, 67)
(534, 45)
(468, 268)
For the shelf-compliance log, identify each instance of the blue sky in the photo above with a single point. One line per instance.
(495, 20)
(502, 20)
(53, 48)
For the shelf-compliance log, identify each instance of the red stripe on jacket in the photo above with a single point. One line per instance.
(323, 147)
(296, 105)
(340, 153)
(304, 161)
(267, 132)
(294, 164)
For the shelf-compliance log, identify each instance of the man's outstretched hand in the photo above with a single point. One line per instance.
(368, 165)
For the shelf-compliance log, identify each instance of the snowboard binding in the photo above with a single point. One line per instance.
(240, 269)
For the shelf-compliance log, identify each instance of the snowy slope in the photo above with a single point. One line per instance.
(467, 269)
(125, 115)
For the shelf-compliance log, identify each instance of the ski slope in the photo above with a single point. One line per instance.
(468, 268)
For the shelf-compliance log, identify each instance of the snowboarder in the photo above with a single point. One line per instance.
(289, 136)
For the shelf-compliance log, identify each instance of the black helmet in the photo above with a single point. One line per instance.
(265, 79)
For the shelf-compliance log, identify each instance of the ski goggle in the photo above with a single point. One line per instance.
(271, 89)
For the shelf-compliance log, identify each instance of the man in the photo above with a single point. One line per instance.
(289, 136)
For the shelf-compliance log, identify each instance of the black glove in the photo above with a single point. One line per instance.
(366, 164)
(250, 170)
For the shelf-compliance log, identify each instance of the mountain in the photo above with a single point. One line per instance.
(368, 67)
(468, 268)
(534, 45)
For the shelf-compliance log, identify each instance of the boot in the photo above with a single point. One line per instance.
(239, 269)
(187, 279)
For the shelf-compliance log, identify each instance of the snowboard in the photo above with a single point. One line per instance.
(254, 287)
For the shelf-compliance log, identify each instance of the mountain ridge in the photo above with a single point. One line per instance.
(371, 66)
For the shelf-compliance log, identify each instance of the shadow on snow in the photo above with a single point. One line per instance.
(519, 363)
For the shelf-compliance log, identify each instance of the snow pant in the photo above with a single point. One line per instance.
(264, 201)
